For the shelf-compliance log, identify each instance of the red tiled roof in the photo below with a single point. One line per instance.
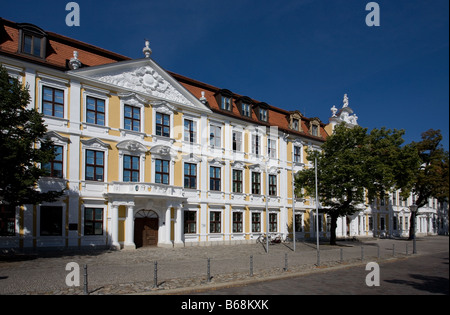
(277, 116)
(60, 49)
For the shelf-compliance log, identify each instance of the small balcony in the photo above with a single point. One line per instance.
(145, 189)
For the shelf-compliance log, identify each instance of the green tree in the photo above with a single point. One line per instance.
(432, 176)
(23, 146)
(354, 166)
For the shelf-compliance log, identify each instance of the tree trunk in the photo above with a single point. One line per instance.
(333, 229)
(412, 225)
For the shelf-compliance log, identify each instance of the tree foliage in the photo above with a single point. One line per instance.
(432, 175)
(354, 166)
(23, 146)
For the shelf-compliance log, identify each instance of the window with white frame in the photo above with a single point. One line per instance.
(272, 148)
(237, 141)
(238, 222)
(256, 222)
(95, 111)
(256, 144)
(226, 103)
(131, 161)
(53, 96)
(190, 222)
(215, 136)
(215, 222)
(273, 222)
(95, 157)
(132, 113)
(297, 154)
(273, 185)
(215, 178)
(190, 130)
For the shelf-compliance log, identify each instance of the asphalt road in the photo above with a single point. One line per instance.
(420, 275)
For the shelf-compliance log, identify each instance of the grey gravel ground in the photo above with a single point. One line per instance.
(182, 269)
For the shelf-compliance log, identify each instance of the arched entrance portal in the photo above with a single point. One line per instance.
(146, 228)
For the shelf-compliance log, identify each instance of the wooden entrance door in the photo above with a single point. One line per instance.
(146, 229)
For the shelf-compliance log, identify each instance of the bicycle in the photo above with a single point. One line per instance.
(273, 239)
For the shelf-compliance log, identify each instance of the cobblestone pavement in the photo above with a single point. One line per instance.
(181, 270)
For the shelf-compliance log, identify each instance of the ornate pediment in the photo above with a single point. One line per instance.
(95, 143)
(163, 151)
(142, 77)
(132, 146)
(145, 80)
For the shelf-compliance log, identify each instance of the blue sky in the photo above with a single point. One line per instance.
(298, 55)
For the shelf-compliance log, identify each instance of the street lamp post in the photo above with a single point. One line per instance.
(317, 216)
(267, 205)
(293, 204)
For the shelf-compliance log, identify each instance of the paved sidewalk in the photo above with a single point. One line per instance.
(182, 269)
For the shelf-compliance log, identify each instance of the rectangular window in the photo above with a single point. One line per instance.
(214, 222)
(272, 185)
(190, 222)
(295, 124)
(272, 148)
(130, 168)
(215, 136)
(214, 178)
(394, 198)
(256, 222)
(93, 221)
(226, 103)
(237, 141)
(315, 130)
(190, 131)
(52, 102)
(263, 114)
(190, 176)
(237, 181)
(32, 45)
(237, 222)
(7, 220)
(55, 167)
(95, 111)
(297, 154)
(273, 224)
(246, 110)
(132, 118)
(162, 125)
(162, 172)
(95, 163)
(256, 183)
(51, 221)
(256, 144)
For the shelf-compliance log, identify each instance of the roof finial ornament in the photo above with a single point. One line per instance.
(74, 63)
(203, 98)
(345, 101)
(147, 51)
(334, 111)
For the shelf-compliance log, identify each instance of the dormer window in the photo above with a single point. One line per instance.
(262, 110)
(295, 124)
(246, 110)
(32, 40)
(226, 103)
(314, 127)
(295, 119)
(263, 114)
(224, 99)
(315, 130)
(244, 105)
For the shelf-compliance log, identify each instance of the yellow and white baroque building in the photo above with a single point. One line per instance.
(146, 161)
